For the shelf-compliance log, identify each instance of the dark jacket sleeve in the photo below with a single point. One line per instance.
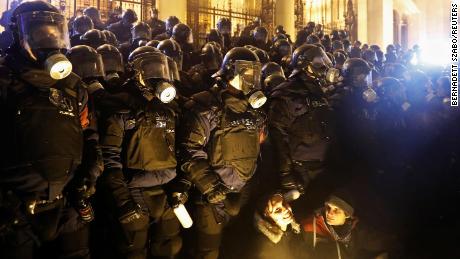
(92, 164)
(196, 131)
(112, 133)
(279, 121)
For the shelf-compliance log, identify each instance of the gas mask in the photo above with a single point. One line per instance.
(273, 81)
(58, 66)
(369, 95)
(333, 75)
(153, 73)
(246, 78)
(44, 36)
(113, 79)
(319, 67)
(93, 86)
(160, 89)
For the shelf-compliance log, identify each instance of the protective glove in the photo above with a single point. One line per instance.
(178, 191)
(217, 193)
(289, 182)
(94, 163)
(129, 212)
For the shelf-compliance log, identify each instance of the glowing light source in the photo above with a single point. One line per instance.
(406, 7)
(183, 216)
(435, 51)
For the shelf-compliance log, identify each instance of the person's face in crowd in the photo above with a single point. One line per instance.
(335, 216)
(154, 14)
(279, 211)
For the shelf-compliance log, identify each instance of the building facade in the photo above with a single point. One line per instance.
(371, 21)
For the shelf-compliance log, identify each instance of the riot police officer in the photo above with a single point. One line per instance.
(113, 67)
(261, 54)
(201, 74)
(260, 38)
(246, 36)
(272, 76)
(280, 49)
(339, 59)
(224, 26)
(183, 84)
(139, 152)
(80, 26)
(173, 50)
(301, 119)
(93, 38)
(280, 33)
(141, 33)
(122, 29)
(310, 28)
(355, 103)
(182, 34)
(157, 25)
(313, 39)
(170, 22)
(50, 163)
(89, 65)
(215, 36)
(93, 13)
(220, 146)
(111, 38)
(371, 58)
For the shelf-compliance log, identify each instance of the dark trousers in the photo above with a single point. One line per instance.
(55, 232)
(210, 220)
(156, 234)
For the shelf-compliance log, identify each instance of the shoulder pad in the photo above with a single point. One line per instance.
(174, 107)
(72, 81)
(280, 90)
(202, 101)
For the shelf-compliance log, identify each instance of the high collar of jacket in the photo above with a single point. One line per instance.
(236, 103)
(303, 84)
(26, 70)
(322, 228)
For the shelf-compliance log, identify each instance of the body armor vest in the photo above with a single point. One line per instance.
(235, 142)
(311, 130)
(44, 132)
(150, 140)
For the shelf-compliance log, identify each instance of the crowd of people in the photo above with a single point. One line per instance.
(116, 133)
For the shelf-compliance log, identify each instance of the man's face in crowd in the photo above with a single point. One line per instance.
(154, 14)
(335, 216)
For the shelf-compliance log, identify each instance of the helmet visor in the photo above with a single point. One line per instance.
(43, 30)
(86, 68)
(139, 33)
(261, 37)
(247, 76)
(113, 62)
(321, 60)
(153, 66)
(285, 50)
(173, 71)
(363, 80)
